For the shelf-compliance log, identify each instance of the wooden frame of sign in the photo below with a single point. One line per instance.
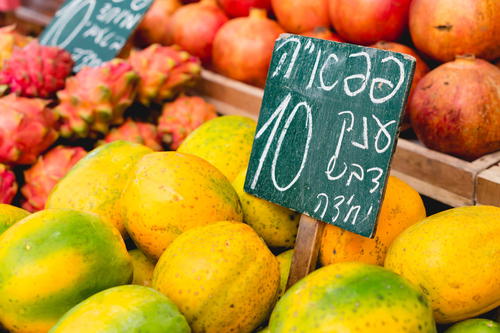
(326, 134)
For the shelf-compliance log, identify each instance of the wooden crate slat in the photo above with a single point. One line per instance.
(488, 187)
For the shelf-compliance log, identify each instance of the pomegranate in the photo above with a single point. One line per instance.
(298, 16)
(194, 27)
(367, 21)
(243, 47)
(456, 108)
(238, 8)
(156, 24)
(421, 67)
(443, 29)
(322, 33)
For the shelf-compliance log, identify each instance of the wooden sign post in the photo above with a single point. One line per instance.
(326, 134)
(94, 31)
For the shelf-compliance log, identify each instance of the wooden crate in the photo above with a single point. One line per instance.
(442, 177)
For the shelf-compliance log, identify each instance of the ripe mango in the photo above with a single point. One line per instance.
(454, 257)
(96, 182)
(9, 215)
(170, 193)
(277, 225)
(402, 206)
(226, 142)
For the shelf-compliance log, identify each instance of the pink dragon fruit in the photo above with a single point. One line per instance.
(165, 71)
(36, 70)
(96, 98)
(182, 116)
(46, 172)
(8, 185)
(27, 128)
(10, 39)
(138, 132)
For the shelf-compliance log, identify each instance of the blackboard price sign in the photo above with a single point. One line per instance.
(327, 129)
(94, 31)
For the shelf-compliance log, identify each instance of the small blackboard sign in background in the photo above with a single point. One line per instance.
(327, 129)
(94, 31)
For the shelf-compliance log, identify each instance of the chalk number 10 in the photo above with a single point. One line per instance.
(277, 117)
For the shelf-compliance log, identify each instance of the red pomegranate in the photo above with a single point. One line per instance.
(194, 27)
(243, 47)
(155, 26)
(456, 108)
(238, 8)
(421, 67)
(443, 29)
(298, 16)
(367, 21)
(322, 33)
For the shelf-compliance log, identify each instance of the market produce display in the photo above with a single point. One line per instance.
(122, 206)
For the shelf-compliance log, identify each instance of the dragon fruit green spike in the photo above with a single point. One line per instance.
(27, 128)
(46, 172)
(182, 116)
(8, 185)
(9, 40)
(165, 72)
(36, 70)
(138, 132)
(96, 98)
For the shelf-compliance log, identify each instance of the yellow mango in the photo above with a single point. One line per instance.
(143, 268)
(402, 207)
(277, 225)
(222, 277)
(226, 142)
(454, 257)
(170, 193)
(96, 182)
(285, 261)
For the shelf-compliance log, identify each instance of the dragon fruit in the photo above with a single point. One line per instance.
(9, 39)
(182, 116)
(164, 71)
(27, 128)
(36, 70)
(138, 132)
(96, 98)
(8, 185)
(46, 172)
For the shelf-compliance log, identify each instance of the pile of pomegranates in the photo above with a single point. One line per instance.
(452, 107)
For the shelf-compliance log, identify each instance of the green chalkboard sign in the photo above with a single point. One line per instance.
(94, 31)
(327, 129)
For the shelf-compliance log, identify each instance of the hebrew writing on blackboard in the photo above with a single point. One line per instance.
(94, 31)
(327, 129)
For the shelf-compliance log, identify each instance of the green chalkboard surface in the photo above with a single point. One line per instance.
(327, 129)
(94, 31)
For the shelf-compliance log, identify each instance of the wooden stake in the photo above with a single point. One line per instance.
(306, 249)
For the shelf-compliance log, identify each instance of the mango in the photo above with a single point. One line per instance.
(222, 277)
(124, 309)
(143, 268)
(9, 215)
(352, 297)
(226, 142)
(170, 193)
(402, 207)
(285, 261)
(277, 225)
(51, 261)
(477, 325)
(454, 258)
(96, 182)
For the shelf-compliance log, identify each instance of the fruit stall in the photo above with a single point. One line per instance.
(133, 132)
